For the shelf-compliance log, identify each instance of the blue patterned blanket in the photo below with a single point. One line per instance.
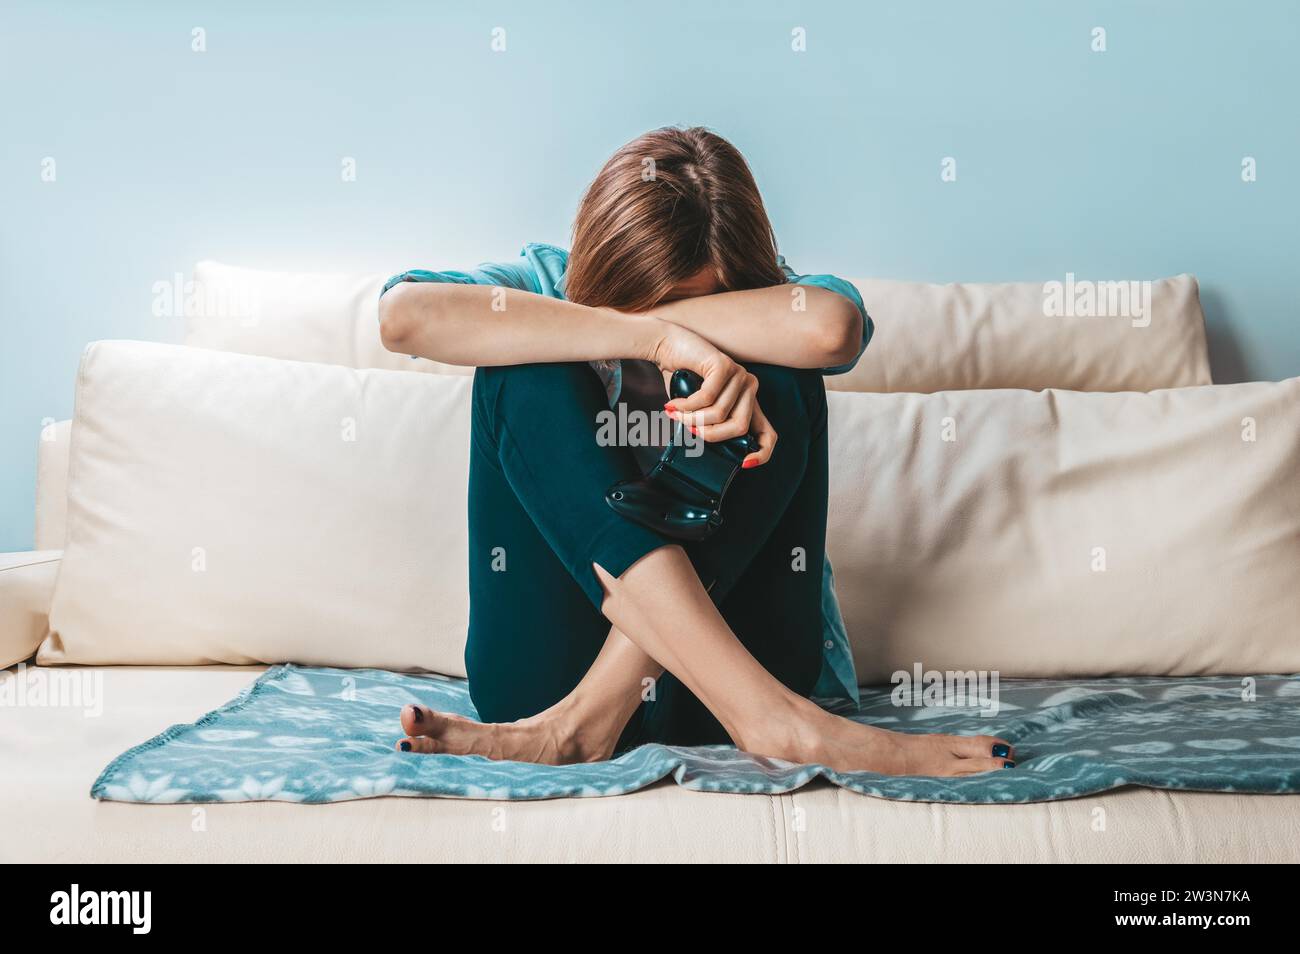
(322, 735)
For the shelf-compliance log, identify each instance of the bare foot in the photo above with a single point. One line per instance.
(812, 735)
(553, 737)
(807, 735)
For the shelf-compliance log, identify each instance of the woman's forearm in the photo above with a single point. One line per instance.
(798, 326)
(480, 325)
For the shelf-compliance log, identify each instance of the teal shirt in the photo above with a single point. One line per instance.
(540, 269)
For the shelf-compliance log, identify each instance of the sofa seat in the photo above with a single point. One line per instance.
(57, 752)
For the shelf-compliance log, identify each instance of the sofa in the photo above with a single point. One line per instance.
(1092, 433)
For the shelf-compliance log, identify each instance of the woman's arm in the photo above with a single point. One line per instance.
(765, 325)
(483, 325)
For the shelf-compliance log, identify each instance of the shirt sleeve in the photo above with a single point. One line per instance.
(840, 287)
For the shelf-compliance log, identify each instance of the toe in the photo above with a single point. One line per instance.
(421, 720)
(985, 746)
(420, 744)
(415, 719)
(981, 765)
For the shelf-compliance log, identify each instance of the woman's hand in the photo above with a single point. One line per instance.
(726, 405)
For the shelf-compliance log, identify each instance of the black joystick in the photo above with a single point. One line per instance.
(681, 496)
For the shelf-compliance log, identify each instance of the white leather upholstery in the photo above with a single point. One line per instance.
(1062, 534)
(233, 508)
(52, 486)
(240, 509)
(46, 813)
(328, 318)
(26, 587)
(972, 336)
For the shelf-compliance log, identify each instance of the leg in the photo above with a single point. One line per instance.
(755, 690)
(548, 675)
(772, 601)
(661, 605)
(541, 413)
(652, 591)
(781, 505)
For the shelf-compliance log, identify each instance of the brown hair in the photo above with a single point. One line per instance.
(665, 206)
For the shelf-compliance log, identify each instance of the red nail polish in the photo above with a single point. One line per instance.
(670, 409)
(747, 463)
(694, 430)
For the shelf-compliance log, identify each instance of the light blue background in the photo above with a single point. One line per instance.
(1123, 164)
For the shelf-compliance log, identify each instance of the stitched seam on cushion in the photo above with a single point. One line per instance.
(74, 463)
(776, 855)
(780, 844)
(23, 566)
(70, 513)
(795, 843)
(785, 838)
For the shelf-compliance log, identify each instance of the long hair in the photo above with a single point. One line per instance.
(666, 205)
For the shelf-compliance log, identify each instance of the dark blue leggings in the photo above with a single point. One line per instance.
(538, 521)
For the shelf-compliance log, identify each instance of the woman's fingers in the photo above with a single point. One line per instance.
(765, 434)
(716, 378)
(721, 409)
(738, 421)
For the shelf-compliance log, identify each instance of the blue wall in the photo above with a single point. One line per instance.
(1117, 164)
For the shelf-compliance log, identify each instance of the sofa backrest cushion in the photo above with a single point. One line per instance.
(1074, 335)
(231, 508)
(1146, 335)
(1066, 534)
(301, 316)
(52, 485)
(227, 508)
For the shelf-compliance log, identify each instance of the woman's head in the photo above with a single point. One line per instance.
(675, 213)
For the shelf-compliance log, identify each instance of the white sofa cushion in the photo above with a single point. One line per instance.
(218, 514)
(26, 585)
(51, 530)
(927, 338)
(301, 316)
(944, 337)
(239, 509)
(1059, 533)
(56, 753)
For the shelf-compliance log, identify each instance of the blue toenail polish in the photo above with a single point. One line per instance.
(416, 714)
(1008, 764)
(406, 746)
(1001, 751)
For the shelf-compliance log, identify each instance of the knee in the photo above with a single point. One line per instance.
(795, 383)
(790, 395)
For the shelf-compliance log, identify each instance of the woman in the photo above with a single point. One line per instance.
(589, 633)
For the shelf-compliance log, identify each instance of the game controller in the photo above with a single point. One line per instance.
(681, 496)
